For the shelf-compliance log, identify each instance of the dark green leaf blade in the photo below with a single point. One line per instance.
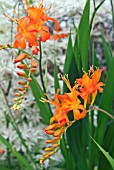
(83, 35)
(45, 110)
(109, 158)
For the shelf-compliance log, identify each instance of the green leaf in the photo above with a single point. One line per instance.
(22, 161)
(106, 154)
(94, 57)
(106, 103)
(83, 35)
(68, 60)
(45, 110)
(69, 54)
(69, 159)
(76, 137)
(77, 56)
(106, 50)
(108, 144)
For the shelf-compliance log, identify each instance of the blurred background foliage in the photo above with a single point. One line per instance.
(90, 25)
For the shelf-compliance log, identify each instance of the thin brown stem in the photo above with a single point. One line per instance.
(99, 109)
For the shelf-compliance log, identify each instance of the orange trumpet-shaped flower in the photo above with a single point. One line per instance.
(26, 31)
(59, 116)
(70, 101)
(38, 15)
(38, 18)
(90, 85)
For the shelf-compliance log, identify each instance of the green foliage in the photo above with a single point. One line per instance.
(106, 154)
(38, 93)
(78, 150)
(23, 162)
(83, 36)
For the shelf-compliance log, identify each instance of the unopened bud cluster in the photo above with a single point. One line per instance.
(24, 84)
(56, 131)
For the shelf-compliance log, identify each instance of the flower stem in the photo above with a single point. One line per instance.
(94, 13)
(40, 68)
(99, 109)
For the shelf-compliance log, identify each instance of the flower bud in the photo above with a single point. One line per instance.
(20, 57)
(17, 94)
(50, 141)
(32, 70)
(48, 149)
(20, 89)
(22, 74)
(21, 82)
(29, 79)
(22, 66)
(50, 132)
(16, 99)
(24, 91)
(34, 64)
(26, 86)
(35, 50)
(55, 145)
(58, 132)
(41, 160)
(51, 127)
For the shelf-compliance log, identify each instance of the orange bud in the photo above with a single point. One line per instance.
(32, 70)
(51, 127)
(46, 156)
(50, 132)
(58, 132)
(22, 66)
(56, 138)
(16, 99)
(20, 57)
(22, 74)
(26, 86)
(48, 149)
(22, 97)
(51, 153)
(35, 50)
(55, 145)
(29, 79)
(41, 160)
(20, 89)
(34, 64)
(17, 94)
(21, 82)
(24, 91)
(50, 141)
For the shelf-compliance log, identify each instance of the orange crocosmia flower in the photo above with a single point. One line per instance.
(59, 116)
(38, 18)
(26, 31)
(96, 84)
(90, 85)
(38, 15)
(70, 102)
